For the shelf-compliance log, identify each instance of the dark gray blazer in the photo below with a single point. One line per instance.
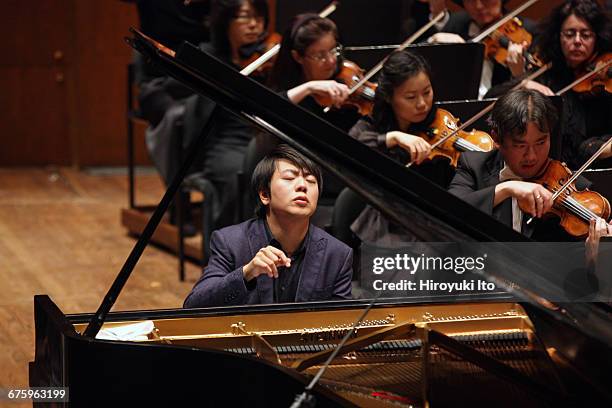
(326, 273)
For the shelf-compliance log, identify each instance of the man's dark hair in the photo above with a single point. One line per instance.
(262, 175)
(513, 111)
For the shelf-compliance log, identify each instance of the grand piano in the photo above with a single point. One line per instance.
(510, 348)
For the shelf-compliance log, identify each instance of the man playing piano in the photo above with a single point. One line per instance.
(279, 256)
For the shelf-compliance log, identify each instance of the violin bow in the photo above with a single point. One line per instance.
(503, 20)
(402, 46)
(488, 108)
(265, 57)
(585, 76)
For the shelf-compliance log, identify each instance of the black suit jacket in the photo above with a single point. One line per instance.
(474, 182)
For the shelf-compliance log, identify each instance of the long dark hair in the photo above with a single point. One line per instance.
(548, 45)
(399, 67)
(221, 14)
(304, 30)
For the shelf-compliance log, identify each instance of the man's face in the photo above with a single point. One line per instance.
(526, 155)
(292, 192)
(483, 12)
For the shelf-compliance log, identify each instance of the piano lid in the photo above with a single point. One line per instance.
(402, 195)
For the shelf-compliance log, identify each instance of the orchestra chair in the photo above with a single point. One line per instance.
(136, 124)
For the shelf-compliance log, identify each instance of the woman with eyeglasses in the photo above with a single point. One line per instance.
(573, 35)
(308, 60)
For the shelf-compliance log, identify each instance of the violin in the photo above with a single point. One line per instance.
(574, 208)
(263, 46)
(496, 44)
(361, 98)
(600, 82)
(444, 124)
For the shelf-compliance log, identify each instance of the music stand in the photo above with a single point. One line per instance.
(455, 68)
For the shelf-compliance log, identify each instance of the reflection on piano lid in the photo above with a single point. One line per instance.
(406, 353)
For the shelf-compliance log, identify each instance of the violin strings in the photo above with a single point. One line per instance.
(578, 209)
(466, 145)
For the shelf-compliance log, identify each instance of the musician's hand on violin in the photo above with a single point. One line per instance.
(532, 198)
(336, 91)
(536, 86)
(265, 262)
(445, 38)
(515, 59)
(418, 147)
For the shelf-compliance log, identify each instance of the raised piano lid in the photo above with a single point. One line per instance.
(577, 331)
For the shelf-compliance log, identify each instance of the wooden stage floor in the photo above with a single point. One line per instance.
(60, 234)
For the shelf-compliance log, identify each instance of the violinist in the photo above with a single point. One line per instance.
(403, 107)
(308, 60)
(574, 35)
(234, 25)
(478, 15)
(498, 182)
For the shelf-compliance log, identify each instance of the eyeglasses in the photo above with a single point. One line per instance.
(325, 55)
(246, 18)
(571, 34)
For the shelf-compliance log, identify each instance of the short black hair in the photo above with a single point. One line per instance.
(262, 175)
(513, 111)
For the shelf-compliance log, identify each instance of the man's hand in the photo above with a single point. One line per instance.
(445, 38)
(418, 147)
(265, 262)
(532, 198)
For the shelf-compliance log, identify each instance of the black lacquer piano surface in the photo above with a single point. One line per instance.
(407, 352)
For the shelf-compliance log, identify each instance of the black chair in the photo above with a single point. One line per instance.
(347, 208)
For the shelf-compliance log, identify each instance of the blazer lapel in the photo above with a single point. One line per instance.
(257, 240)
(311, 268)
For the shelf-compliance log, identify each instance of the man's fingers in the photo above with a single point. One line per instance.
(282, 258)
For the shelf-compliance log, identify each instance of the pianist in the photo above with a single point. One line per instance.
(279, 256)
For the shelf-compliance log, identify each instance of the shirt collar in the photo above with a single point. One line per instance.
(274, 242)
